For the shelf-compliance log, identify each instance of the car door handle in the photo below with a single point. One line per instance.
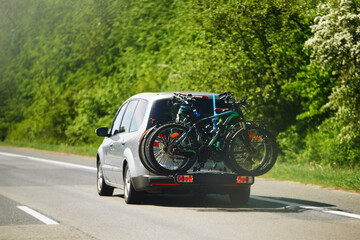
(123, 142)
(111, 145)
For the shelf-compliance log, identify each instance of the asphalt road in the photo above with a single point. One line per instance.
(46, 195)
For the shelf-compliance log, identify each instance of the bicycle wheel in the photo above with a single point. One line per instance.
(229, 164)
(252, 151)
(142, 150)
(165, 154)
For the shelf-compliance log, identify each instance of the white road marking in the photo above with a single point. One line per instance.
(72, 165)
(37, 215)
(345, 214)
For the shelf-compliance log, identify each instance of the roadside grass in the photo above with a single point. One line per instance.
(326, 176)
(85, 150)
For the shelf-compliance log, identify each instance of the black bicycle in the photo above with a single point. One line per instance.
(225, 136)
(252, 149)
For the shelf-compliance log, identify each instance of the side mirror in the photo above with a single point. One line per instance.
(102, 132)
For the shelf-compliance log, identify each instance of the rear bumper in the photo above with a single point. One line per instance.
(208, 182)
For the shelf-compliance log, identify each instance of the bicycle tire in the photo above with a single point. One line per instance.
(254, 155)
(142, 150)
(228, 164)
(161, 151)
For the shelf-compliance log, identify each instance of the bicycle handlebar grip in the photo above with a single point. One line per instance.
(225, 95)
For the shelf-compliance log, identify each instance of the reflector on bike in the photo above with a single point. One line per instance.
(174, 135)
(252, 136)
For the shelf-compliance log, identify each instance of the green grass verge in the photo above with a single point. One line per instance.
(85, 150)
(325, 176)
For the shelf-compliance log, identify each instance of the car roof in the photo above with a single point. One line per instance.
(164, 95)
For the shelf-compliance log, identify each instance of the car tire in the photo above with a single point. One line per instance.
(240, 196)
(131, 196)
(102, 188)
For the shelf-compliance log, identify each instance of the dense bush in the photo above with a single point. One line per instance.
(66, 66)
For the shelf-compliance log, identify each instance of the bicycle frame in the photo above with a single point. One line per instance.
(231, 114)
(223, 127)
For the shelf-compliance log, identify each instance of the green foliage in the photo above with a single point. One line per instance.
(335, 44)
(66, 66)
(73, 63)
(254, 48)
(319, 146)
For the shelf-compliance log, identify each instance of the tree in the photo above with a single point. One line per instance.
(254, 49)
(336, 44)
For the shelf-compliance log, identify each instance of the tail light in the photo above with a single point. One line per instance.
(184, 178)
(244, 179)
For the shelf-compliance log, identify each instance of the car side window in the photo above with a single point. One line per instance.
(139, 114)
(116, 124)
(125, 124)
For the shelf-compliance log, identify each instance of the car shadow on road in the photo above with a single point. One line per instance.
(221, 203)
(273, 205)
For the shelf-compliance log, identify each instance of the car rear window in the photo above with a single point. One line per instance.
(163, 111)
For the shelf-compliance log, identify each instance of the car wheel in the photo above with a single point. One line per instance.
(102, 188)
(240, 196)
(131, 196)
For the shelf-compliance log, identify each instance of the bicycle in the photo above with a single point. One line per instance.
(175, 147)
(252, 149)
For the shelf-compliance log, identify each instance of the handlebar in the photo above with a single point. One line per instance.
(179, 98)
(228, 97)
(225, 96)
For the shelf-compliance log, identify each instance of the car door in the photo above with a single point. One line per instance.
(120, 144)
(109, 150)
(130, 136)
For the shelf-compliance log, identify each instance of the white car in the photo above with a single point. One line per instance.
(119, 165)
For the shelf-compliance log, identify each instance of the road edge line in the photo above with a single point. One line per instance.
(37, 215)
(49, 161)
(340, 213)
